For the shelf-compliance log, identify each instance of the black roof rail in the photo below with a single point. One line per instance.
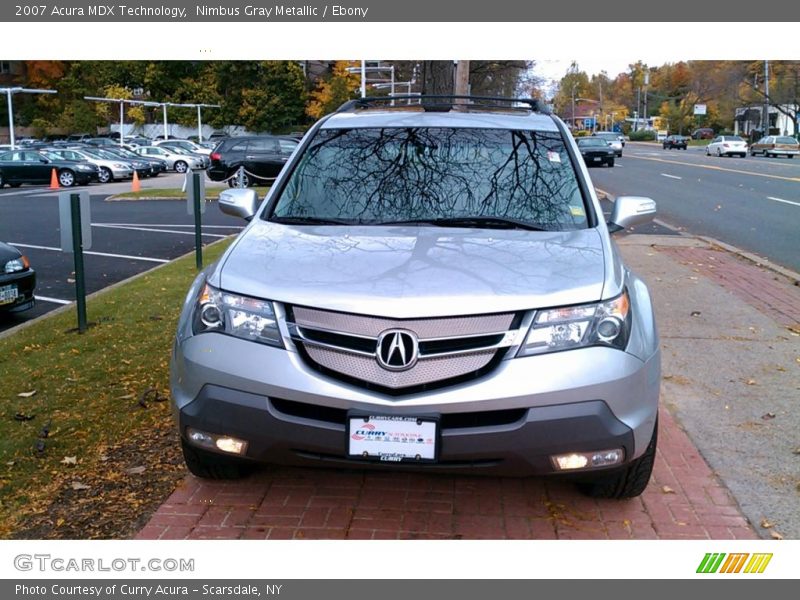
(446, 102)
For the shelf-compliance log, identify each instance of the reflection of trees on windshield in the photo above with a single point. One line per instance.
(400, 174)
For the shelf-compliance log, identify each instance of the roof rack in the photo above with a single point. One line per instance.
(445, 103)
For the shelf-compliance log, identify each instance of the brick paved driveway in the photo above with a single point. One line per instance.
(684, 501)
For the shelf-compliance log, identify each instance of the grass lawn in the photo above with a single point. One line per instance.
(170, 194)
(87, 444)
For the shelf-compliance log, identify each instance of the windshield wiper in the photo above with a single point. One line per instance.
(308, 221)
(472, 222)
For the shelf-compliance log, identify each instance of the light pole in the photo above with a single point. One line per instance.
(122, 102)
(199, 117)
(766, 100)
(363, 70)
(10, 91)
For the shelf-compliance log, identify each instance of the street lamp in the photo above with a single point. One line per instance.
(122, 102)
(199, 118)
(363, 70)
(18, 90)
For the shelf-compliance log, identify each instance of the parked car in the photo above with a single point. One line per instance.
(78, 137)
(175, 161)
(262, 157)
(17, 280)
(613, 140)
(33, 166)
(776, 145)
(677, 142)
(109, 169)
(727, 145)
(596, 151)
(184, 145)
(152, 167)
(703, 133)
(436, 290)
(101, 141)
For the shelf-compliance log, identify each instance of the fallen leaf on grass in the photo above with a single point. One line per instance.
(77, 486)
(27, 394)
(667, 490)
(750, 382)
(768, 416)
(766, 524)
(775, 535)
(135, 470)
(70, 460)
(125, 397)
(23, 417)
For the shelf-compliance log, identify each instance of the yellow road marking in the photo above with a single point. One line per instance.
(677, 162)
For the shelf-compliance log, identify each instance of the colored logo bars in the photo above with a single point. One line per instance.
(734, 563)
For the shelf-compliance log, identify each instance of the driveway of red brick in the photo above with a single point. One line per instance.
(683, 501)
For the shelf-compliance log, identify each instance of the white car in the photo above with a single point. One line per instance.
(177, 162)
(727, 145)
(187, 145)
(613, 140)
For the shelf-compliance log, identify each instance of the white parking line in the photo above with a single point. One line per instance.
(150, 229)
(671, 176)
(167, 225)
(126, 256)
(784, 201)
(53, 300)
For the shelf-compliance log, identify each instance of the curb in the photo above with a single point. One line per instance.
(113, 286)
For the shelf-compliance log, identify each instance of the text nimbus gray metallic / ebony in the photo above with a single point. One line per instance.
(281, 10)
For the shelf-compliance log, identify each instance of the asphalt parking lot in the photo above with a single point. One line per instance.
(128, 237)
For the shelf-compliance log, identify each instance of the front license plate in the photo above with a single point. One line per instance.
(392, 439)
(596, 158)
(8, 294)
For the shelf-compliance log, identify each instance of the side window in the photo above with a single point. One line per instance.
(287, 146)
(239, 147)
(262, 145)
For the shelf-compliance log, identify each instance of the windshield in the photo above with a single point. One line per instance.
(380, 176)
(786, 140)
(593, 142)
(608, 136)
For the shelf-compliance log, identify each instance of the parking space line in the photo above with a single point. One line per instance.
(670, 176)
(93, 253)
(150, 229)
(53, 300)
(784, 201)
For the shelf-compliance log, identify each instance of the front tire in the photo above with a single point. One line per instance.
(181, 167)
(2, 181)
(610, 163)
(628, 482)
(66, 178)
(208, 465)
(105, 175)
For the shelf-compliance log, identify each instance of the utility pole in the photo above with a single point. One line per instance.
(573, 106)
(646, 83)
(765, 119)
(462, 81)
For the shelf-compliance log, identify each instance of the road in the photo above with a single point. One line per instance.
(127, 238)
(752, 203)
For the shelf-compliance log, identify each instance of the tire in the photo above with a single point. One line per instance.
(66, 178)
(610, 163)
(2, 181)
(209, 465)
(719, 153)
(246, 182)
(106, 175)
(627, 482)
(181, 166)
(707, 152)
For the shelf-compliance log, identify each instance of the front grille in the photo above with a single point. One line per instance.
(450, 349)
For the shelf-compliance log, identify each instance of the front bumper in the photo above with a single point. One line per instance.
(507, 423)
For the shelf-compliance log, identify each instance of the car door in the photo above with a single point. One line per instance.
(36, 167)
(263, 158)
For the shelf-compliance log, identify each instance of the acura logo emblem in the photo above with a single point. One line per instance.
(398, 349)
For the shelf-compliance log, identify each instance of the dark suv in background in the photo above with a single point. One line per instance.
(262, 157)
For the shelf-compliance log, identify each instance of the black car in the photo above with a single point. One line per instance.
(31, 166)
(678, 142)
(262, 157)
(596, 151)
(17, 280)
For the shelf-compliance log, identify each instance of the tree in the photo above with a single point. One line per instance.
(276, 102)
(330, 94)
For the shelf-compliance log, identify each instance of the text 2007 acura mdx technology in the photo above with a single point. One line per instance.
(430, 287)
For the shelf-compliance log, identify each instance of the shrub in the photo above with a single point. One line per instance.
(643, 135)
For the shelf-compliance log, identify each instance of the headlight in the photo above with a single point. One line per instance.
(17, 264)
(602, 324)
(120, 166)
(240, 316)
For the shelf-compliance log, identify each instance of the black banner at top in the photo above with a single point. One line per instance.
(614, 11)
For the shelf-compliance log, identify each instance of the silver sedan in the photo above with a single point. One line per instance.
(177, 162)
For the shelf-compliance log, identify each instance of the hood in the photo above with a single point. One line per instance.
(7, 253)
(406, 272)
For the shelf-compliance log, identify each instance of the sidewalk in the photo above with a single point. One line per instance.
(729, 360)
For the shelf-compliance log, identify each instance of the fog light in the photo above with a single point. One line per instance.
(224, 443)
(583, 460)
(231, 445)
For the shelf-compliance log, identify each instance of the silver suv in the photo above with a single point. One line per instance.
(430, 287)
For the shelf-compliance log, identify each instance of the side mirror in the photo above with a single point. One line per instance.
(630, 211)
(239, 202)
(43, 160)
